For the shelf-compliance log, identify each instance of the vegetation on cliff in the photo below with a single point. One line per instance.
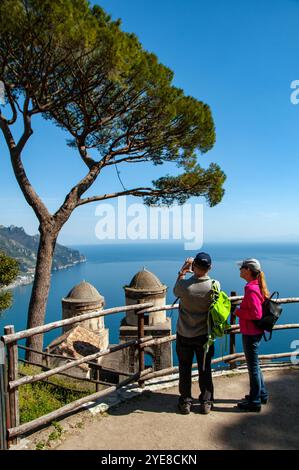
(17, 244)
(8, 272)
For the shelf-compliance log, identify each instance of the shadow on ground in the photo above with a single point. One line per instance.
(277, 426)
(162, 402)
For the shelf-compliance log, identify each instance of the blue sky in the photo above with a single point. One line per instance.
(240, 57)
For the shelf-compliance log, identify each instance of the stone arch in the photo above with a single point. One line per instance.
(149, 358)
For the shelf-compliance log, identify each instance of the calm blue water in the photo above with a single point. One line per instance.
(110, 267)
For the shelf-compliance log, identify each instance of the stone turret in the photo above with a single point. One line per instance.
(86, 337)
(146, 287)
(83, 298)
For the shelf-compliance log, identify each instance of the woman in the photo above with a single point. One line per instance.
(256, 292)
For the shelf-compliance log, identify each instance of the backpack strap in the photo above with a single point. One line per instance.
(215, 293)
(265, 338)
(275, 292)
(214, 286)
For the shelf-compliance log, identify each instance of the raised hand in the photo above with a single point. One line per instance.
(187, 266)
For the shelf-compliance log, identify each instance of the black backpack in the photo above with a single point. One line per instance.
(271, 313)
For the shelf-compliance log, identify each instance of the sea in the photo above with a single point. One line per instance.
(109, 267)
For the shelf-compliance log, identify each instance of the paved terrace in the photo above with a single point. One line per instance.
(150, 420)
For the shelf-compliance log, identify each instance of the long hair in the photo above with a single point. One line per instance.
(260, 276)
(263, 285)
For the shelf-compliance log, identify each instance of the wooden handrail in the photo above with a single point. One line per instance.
(264, 356)
(145, 342)
(57, 356)
(228, 358)
(10, 338)
(233, 299)
(18, 430)
(83, 379)
(43, 375)
(144, 308)
(234, 330)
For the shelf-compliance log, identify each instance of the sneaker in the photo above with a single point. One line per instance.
(264, 401)
(205, 407)
(184, 408)
(247, 406)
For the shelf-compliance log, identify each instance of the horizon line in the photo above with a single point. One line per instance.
(180, 242)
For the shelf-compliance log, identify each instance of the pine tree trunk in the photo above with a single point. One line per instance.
(40, 292)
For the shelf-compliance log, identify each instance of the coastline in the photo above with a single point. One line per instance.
(27, 278)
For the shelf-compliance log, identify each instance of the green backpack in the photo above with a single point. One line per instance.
(217, 317)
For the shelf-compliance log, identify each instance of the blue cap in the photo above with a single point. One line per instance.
(203, 259)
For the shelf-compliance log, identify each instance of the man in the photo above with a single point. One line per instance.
(195, 296)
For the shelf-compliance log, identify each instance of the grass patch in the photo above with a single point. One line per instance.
(40, 445)
(40, 398)
(56, 434)
(79, 425)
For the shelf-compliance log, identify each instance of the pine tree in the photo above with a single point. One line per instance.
(72, 64)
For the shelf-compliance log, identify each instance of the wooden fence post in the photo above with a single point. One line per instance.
(3, 427)
(232, 336)
(98, 378)
(6, 402)
(141, 349)
(47, 358)
(12, 404)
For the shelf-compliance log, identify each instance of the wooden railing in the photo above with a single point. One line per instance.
(11, 427)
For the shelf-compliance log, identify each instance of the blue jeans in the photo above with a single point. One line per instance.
(256, 380)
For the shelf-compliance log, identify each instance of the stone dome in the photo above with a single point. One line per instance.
(84, 292)
(145, 281)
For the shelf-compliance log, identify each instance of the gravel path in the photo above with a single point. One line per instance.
(151, 421)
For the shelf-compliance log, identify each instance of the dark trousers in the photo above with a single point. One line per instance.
(185, 348)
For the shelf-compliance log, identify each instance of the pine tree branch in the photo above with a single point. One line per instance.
(11, 121)
(138, 192)
(27, 126)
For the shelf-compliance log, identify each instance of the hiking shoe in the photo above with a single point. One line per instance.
(184, 408)
(205, 407)
(264, 401)
(247, 406)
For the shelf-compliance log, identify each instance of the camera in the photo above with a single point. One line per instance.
(188, 264)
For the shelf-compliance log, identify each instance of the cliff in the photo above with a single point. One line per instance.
(15, 242)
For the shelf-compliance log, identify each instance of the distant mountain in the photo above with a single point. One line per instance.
(15, 242)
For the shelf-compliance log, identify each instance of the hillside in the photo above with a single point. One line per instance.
(15, 242)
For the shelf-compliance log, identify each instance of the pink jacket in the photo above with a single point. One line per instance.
(250, 309)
